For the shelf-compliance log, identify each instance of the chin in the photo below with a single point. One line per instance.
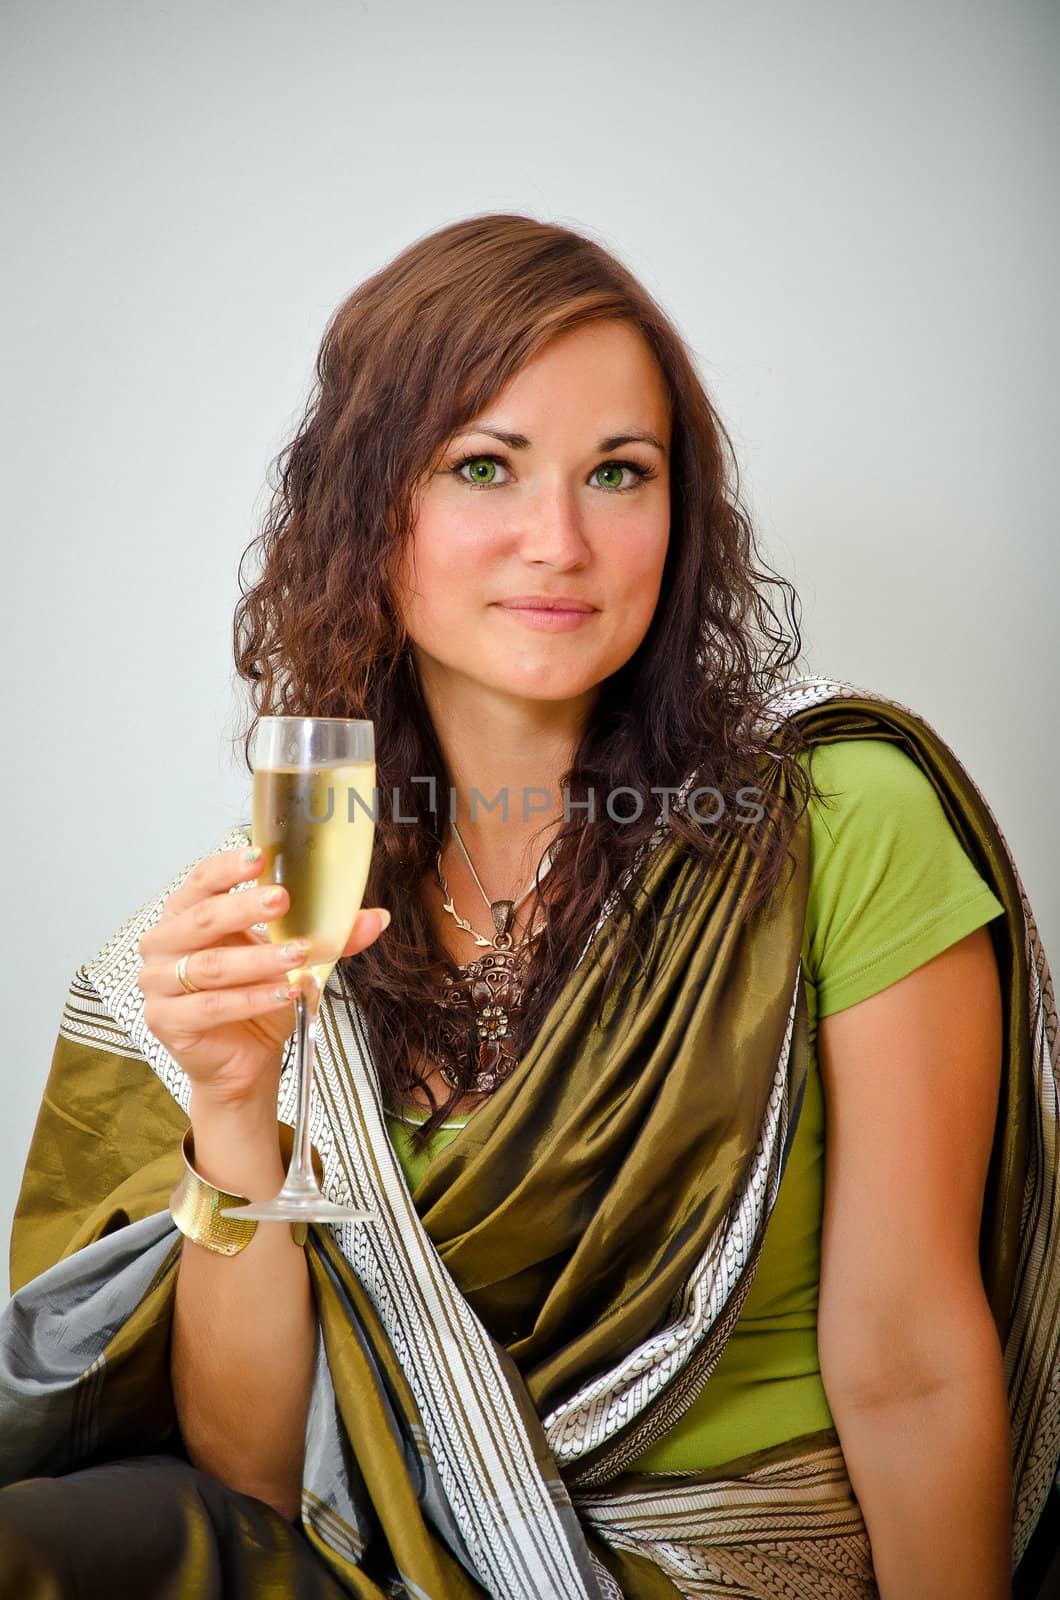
(539, 686)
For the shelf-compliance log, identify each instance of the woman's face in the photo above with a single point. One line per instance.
(573, 505)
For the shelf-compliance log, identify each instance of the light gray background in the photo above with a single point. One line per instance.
(849, 209)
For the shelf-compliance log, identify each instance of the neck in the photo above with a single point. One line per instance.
(506, 759)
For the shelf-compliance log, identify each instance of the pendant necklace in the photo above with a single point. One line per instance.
(490, 987)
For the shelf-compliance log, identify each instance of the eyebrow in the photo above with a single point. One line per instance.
(519, 441)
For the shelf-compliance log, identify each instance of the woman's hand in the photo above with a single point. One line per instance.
(230, 1037)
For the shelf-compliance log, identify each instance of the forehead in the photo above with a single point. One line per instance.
(599, 367)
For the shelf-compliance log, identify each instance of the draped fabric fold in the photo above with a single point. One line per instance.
(496, 1347)
(635, 1139)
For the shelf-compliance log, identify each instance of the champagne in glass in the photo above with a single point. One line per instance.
(313, 819)
(317, 850)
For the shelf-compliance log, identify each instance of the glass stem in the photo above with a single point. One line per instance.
(301, 1179)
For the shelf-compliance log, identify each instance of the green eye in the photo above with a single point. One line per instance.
(483, 469)
(609, 475)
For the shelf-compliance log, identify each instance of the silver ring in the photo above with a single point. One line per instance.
(183, 979)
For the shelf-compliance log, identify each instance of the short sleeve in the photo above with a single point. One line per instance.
(891, 886)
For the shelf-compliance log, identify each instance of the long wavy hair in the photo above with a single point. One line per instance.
(414, 353)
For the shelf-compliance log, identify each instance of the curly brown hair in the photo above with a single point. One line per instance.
(412, 355)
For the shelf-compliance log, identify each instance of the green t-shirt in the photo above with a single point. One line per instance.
(890, 888)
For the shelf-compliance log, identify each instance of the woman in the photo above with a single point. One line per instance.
(724, 913)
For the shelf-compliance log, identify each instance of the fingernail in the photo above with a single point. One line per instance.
(384, 918)
(272, 897)
(254, 854)
(296, 948)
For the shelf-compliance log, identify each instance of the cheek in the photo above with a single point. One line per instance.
(445, 555)
(640, 559)
(447, 539)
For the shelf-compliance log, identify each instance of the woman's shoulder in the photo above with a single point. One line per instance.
(862, 758)
(862, 782)
(875, 811)
(891, 883)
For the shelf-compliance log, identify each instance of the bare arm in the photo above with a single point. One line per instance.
(244, 1326)
(910, 1356)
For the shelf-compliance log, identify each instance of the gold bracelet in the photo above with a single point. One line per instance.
(195, 1207)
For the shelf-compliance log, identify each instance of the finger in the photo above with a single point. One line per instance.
(211, 920)
(367, 927)
(170, 1017)
(214, 874)
(224, 966)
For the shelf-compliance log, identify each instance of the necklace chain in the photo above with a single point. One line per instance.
(489, 991)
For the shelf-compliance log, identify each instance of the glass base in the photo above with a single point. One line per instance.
(299, 1208)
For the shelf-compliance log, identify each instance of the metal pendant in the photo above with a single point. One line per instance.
(486, 995)
(503, 911)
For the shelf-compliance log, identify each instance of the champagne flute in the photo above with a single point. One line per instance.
(314, 780)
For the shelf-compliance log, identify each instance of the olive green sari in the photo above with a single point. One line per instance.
(496, 1347)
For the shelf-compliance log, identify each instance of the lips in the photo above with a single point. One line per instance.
(548, 613)
(541, 602)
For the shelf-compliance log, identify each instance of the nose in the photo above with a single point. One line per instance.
(552, 531)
